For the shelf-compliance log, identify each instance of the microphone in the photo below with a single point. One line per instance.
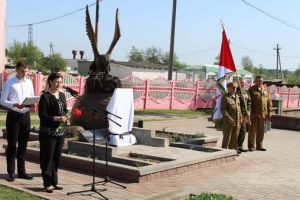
(70, 90)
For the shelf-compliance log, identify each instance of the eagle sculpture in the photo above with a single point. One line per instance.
(99, 80)
(99, 85)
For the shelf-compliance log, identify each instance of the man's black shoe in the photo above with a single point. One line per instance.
(250, 150)
(242, 150)
(238, 152)
(261, 149)
(11, 177)
(25, 176)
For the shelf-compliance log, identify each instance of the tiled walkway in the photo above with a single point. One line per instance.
(273, 174)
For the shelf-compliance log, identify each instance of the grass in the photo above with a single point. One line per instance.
(178, 113)
(210, 196)
(189, 114)
(11, 193)
(33, 122)
(5, 113)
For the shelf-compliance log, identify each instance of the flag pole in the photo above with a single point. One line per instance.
(239, 83)
(222, 24)
(242, 95)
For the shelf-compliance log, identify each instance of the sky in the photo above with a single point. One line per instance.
(145, 23)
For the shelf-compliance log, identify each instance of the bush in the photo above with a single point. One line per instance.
(210, 196)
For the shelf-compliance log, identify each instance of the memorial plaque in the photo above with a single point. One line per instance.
(88, 136)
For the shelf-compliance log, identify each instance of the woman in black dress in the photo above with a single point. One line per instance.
(53, 115)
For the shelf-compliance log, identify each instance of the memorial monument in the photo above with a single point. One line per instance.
(99, 85)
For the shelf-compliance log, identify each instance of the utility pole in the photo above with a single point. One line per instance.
(97, 21)
(30, 40)
(51, 48)
(171, 53)
(278, 61)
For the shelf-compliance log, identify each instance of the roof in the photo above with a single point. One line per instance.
(144, 65)
(214, 68)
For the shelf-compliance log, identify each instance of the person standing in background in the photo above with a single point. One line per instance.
(245, 103)
(230, 109)
(261, 108)
(14, 92)
(53, 114)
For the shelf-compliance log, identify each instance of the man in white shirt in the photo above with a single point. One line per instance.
(14, 91)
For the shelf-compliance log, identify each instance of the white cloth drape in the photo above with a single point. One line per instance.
(121, 104)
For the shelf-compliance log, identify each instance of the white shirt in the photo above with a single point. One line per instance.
(16, 91)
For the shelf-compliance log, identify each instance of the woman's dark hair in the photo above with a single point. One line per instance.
(52, 77)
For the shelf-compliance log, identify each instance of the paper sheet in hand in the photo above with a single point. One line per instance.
(30, 100)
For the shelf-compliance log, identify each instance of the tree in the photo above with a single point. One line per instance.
(217, 60)
(153, 55)
(165, 58)
(135, 55)
(25, 51)
(261, 70)
(294, 78)
(247, 64)
(54, 63)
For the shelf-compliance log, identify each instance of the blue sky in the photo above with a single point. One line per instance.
(146, 23)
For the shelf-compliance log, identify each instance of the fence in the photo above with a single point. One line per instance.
(160, 93)
(39, 82)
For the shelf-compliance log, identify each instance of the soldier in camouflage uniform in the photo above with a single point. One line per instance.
(261, 108)
(230, 109)
(245, 103)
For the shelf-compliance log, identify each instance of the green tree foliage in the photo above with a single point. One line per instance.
(165, 59)
(135, 55)
(153, 55)
(247, 64)
(294, 78)
(25, 51)
(53, 63)
(217, 60)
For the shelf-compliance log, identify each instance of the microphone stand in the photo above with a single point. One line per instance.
(107, 179)
(95, 109)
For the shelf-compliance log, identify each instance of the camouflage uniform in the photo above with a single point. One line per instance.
(242, 133)
(230, 109)
(261, 106)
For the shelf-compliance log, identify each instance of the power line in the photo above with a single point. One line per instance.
(262, 52)
(200, 51)
(51, 19)
(241, 48)
(273, 17)
(252, 50)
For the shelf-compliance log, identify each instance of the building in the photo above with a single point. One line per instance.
(142, 70)
(2, 38)
(203, 72)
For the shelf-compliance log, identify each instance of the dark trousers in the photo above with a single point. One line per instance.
(50, 153)
(18, 129)
(242, 135)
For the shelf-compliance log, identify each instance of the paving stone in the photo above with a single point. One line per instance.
(253, 175)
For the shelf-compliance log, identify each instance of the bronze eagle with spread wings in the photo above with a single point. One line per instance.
(99, 80)
(101, 62)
